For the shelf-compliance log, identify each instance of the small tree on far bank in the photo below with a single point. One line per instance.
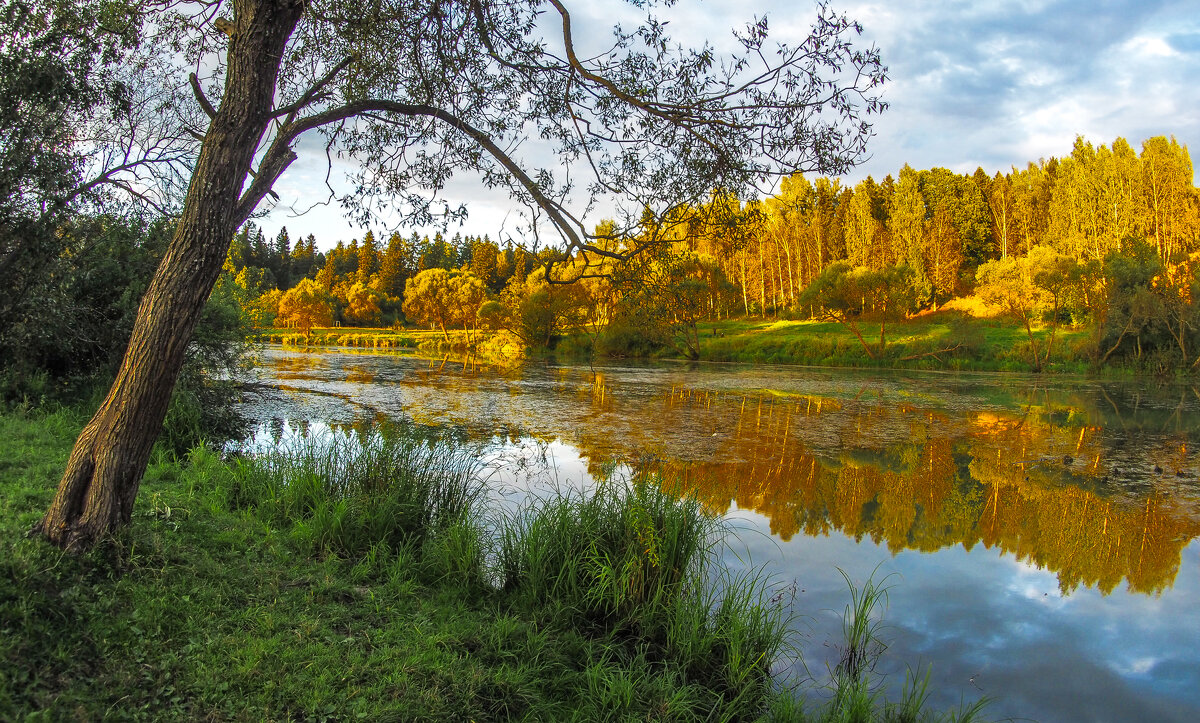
(427, 299)
(538, 312)
(306, 305)
(468, 292)
(849, 296)
(667, 293)
(444, 299)
(1149, 313)
(364, 304)
(1030, 289)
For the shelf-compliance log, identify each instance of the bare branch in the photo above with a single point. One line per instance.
(279, 155)
(200, 97)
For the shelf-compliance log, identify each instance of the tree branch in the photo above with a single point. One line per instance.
(313, 93)
(200, 97)
(279, 156)
(680, 116)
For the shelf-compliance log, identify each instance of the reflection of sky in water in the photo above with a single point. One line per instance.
(987, 622)
(990, 625)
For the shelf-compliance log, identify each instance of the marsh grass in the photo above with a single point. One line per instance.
(381, 338)
(360, 577)
(346, 494)
(638, 567)
(856, 693)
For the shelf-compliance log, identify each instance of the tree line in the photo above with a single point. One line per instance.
(363, 281)
(944, 225)
(1105, 236)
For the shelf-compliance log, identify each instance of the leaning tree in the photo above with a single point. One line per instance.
(415, 91)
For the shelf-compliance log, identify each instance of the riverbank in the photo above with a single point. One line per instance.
(363, 583)
(946, 340)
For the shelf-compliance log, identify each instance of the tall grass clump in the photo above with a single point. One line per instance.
(856, 693)
(635, 566)
(349, 494)
(616, 555)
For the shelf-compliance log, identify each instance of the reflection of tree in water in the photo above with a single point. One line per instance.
(1034, 484)
(1098, 486)
(1038, 507)
(298, 366)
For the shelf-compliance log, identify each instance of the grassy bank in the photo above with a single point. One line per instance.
(370, 581)
(374, 338)
(949, 340)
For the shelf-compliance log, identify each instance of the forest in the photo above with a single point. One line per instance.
(1105, 237)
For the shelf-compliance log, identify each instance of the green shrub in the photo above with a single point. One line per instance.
(626, 340)
(631, 563)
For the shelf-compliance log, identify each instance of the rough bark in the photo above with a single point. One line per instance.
(102, 476)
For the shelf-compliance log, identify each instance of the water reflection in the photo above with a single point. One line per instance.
(1028, 484)
(1095, 482)
(1041, 526)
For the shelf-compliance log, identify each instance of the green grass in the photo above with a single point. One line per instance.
(367, 579)
(945, 340)
(634, 565)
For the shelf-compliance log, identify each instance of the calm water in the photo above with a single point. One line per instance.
(1040, 533)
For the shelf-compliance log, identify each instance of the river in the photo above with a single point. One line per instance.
(1038, 533)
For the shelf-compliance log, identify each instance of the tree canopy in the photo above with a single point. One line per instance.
(416, 92)
(306, 305)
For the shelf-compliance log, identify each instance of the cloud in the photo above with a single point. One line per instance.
(1001, 84)
(972, 83)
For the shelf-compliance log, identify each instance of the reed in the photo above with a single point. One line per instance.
(346, 494)
(856, 692)
(637, 566)
(359, 577)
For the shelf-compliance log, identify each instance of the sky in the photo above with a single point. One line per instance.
(972, 83)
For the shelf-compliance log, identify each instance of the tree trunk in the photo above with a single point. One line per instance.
(762, 281)
(852, 326)
(1033, 350)
(791, 282)
(104, 471)
(745, 297)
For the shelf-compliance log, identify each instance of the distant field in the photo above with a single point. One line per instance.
(949, 340)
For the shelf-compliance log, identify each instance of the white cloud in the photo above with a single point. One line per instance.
(1136, 666)
(973, 83)
(1150, 46)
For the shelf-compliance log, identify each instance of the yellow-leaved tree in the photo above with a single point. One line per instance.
(1030, 289)
(306, 305)
(444, 298)
(363, 304)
